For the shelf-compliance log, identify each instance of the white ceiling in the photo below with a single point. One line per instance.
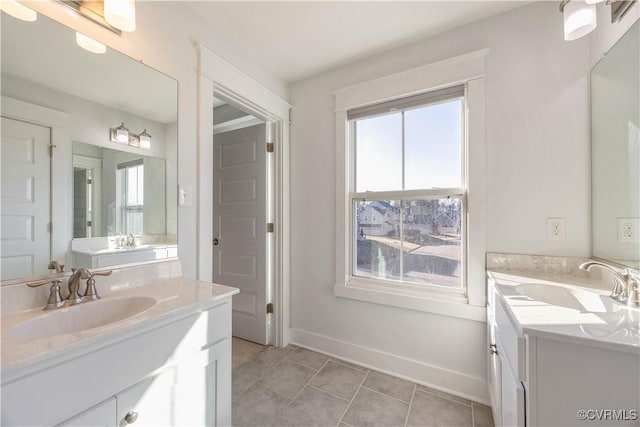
(297, 39)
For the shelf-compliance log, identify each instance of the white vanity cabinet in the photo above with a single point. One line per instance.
(542, 378)
(102, 415)
(174, 371)
(506, 365)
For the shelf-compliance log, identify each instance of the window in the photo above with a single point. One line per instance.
(131, 197)
(407, 192)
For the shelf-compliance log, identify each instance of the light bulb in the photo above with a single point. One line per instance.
(17, 10)
(87, 43)
(122, 134)
(121, 14)
(145, 140)
(579, 19)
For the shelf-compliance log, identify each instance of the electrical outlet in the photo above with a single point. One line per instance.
(556, 229)
(629, 230)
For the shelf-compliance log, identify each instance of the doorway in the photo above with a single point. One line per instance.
(219, 78)
(242, 206)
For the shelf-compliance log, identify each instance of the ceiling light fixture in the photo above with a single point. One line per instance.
(121, 14)
(17, 10)
(87, 43)
(579, 18)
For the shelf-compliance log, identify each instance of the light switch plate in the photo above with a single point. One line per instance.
(556, 229)
(184, 196)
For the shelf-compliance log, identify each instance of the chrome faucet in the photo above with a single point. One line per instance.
(74, 285)
(55, 296)
(626, 288)
(55, 265)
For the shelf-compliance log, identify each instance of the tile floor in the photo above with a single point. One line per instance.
(298, 387)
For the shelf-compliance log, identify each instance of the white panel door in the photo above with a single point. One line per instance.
(24, 199)
(239, 227)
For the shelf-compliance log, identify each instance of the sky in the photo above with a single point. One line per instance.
(432, 149)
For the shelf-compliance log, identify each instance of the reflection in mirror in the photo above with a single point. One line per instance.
(615, 139)
(69, 192)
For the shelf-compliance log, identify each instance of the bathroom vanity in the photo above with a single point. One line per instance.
(561, 351)
(153, 353)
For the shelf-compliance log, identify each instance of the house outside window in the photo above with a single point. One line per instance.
(130, 200)
(408, 191)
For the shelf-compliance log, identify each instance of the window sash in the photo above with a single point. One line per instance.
(400, 196)
(395, 106)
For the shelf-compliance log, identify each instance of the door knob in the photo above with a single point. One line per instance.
(131, 417)
(215, 242)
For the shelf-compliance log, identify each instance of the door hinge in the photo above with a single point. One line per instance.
(51, 147)
(270, 147)
(89, 181)
(270, 308)
(88, 223)
(269, 227)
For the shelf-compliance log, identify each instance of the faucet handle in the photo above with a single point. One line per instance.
(102, 273)
(55, 297)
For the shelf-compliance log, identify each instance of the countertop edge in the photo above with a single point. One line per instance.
(14, 371)
(544, 333)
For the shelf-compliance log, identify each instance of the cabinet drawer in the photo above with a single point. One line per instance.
(512, 340)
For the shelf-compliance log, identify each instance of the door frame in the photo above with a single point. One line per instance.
(215, 75)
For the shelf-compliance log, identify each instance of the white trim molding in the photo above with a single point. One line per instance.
(215, 75)
(436, 377)
(466, 69)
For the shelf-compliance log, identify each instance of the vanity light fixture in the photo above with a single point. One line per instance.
(580, 15)
(144, 140)
(579, 18)
(87, 43)
(119, 135)
(121, 14)
(17, 10)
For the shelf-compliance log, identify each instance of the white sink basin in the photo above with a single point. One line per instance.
(80, 317)
(576, 299)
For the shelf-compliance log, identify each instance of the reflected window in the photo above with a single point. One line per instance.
(130, 201)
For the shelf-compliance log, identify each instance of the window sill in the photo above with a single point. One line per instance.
(446, 305)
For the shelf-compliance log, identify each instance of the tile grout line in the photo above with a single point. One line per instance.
(473, 421)
(353, 398)
(387, 395)
(413, 395)
(444, 395)
(301, 389)
(258, 379)
(327, 392)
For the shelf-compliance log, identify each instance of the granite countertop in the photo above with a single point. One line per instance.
(175, 298)
(586, 314)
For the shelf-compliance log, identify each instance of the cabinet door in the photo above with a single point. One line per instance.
(101, 415)
(190, 393)
(495, 374)
(512, 395)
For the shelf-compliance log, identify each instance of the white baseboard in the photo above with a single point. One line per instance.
(446, 380)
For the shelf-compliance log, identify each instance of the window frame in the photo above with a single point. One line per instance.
(407, 195)
(122, 205)
(468, 69)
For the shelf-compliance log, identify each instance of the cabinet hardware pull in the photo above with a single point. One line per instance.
(131, 417)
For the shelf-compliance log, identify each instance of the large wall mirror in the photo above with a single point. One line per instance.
(615, 139)
(75, 188)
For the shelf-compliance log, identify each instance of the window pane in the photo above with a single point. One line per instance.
(432, 242)
(377, 239)
(378, 145)
(132, 186)
(433, 146)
